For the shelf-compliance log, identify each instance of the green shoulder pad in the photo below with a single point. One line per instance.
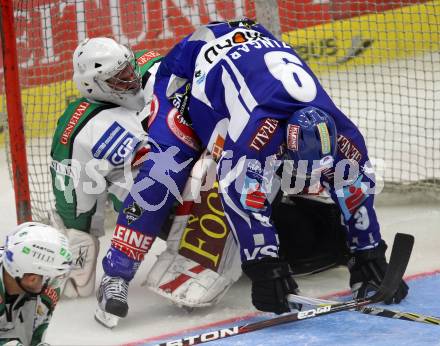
(147, 58)
(77, 114)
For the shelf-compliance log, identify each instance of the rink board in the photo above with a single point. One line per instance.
(344, 328)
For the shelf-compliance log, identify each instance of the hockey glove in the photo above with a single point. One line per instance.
(271, 281)
(367, 270)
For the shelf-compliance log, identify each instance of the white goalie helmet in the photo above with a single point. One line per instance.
(105, 70)
(36, 248)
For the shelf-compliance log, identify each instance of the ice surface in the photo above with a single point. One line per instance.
(151, 315)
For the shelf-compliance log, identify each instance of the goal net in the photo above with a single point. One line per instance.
(378, 59)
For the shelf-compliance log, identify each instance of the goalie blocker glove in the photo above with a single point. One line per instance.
(271, 282)
(367, 270)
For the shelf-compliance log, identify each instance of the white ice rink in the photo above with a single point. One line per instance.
(151, 315)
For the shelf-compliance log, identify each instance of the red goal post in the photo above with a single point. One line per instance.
(378, 59)
(15, 115)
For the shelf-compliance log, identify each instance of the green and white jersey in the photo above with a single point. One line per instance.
(23, 317)
(93, 149)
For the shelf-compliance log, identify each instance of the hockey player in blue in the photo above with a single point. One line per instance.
(254, 104)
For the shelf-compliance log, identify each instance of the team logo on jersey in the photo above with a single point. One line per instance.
(254, 168)
(292, 137)
(74, 119)
(182, 129)
(264, 134)
(133, 212)
(347, 148)
(351, 197)
(252, 198)
(115, 145)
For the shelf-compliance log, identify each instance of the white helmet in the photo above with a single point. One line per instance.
(36, 248)
(105, 70)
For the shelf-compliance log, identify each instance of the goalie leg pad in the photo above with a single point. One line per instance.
(85, 248)
(186, 282)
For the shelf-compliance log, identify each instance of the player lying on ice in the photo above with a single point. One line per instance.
(34, 263)
(96, 143)
(256, 101)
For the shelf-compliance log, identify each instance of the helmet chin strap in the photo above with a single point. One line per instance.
(32, 294)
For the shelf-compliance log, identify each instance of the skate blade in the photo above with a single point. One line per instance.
(106, 319)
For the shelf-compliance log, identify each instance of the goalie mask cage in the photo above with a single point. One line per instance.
(378, 59)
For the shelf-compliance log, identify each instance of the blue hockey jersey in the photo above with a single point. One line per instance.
(230, 87)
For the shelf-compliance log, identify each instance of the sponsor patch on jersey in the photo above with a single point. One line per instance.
(131, 242)
(154, 108)
(217, 147)
(325, 138)
(351, 197)
(63, 169)
(347, 148)
(292, 137)
(261, 251)
(180, 100)
(240, 37)
(252, 198)
(182, 129)
(115, 145)
(133, 212)
(146, 57)
(264, 134)
(74, 119)
(52, 294)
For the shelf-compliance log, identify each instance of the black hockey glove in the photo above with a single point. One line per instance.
(271, 281)
(367, 269)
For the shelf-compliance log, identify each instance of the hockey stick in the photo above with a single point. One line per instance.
(400, 255)
(369, 310)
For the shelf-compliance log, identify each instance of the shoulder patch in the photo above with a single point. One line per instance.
(146, 57)
(51, 295)
(182, 130)
(116, 145)
(73, 121)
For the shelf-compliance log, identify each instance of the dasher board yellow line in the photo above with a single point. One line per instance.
(369, 39)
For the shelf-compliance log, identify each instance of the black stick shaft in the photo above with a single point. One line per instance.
(400, 255)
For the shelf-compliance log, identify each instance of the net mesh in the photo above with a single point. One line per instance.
(378, 59)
